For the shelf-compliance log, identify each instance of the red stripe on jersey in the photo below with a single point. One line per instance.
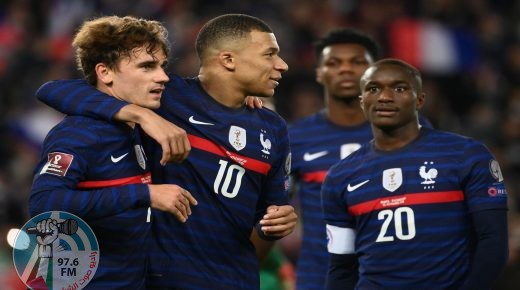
(248, 163)
(407, 199)
(316, 176)
(144, 178)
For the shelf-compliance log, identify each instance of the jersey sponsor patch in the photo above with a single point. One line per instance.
(57, 163)
(497, 190)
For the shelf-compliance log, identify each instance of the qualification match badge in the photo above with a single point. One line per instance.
(56, 250)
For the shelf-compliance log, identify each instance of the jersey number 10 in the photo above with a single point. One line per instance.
(224, 177)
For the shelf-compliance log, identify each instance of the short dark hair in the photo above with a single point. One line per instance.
(346, 36)
(225, 28)
(414, 72)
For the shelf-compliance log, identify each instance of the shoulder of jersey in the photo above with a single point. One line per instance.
(271, 116)
(86, 129)
(304, 122)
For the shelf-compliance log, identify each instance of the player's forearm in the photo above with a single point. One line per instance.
(262, 246)
(342, 273)
(133, 113)
(491, 250)
(90, 203)
(77, 97)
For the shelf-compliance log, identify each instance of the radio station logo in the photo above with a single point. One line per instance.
(56, 250)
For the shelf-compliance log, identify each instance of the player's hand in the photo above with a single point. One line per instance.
(254, 102)
(279, 221)
(173, 139)
(173, 199)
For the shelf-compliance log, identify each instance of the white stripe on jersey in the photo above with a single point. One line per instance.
(341, 240)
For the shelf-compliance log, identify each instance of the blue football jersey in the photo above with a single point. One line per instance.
(238, 166)
(98, 171)
(316, 145)
(410, 209)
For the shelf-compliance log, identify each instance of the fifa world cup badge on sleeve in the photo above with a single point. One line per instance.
(56, 250)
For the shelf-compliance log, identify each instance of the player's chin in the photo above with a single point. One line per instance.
(267, 93)
(385, 123)
(154, 104)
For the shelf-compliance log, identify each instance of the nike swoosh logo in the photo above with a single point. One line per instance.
(354, 187)
(193, 121)
(309, 157)
(117, 159)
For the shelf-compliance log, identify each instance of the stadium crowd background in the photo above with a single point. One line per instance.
(467, 50)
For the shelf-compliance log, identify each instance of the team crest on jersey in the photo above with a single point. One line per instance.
(266, 143)
(141, 157)
(57, 163)
(428, 173)
(392, 179)
(237, 137)
(494, 168)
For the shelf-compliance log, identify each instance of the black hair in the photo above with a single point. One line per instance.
(347, 35)
(225, 28)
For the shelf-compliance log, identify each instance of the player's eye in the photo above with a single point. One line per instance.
(400, 89)
(372, 89)
(331, 63)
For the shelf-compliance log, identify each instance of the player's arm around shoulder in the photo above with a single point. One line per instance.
(172, 139)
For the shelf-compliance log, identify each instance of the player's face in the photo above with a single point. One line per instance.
(259, 68)
(390, 97)
(140, 78)
(341, 68)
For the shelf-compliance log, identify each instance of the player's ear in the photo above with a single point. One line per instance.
(104, 73)
(361, 103)
(319, 76)
(421, 98)
(227, 60)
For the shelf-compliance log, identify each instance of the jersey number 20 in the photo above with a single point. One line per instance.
(398, 216)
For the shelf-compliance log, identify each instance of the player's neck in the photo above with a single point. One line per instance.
(344, 113)
(109, 91)
(393, 139)
(221, 90)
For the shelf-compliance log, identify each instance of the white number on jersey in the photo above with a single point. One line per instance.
(397, 216)
(223, 187)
